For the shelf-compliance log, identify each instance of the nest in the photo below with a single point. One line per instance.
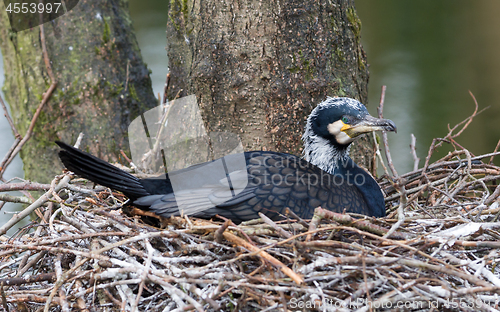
(436, 250)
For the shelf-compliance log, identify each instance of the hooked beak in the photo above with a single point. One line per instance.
(368, 124)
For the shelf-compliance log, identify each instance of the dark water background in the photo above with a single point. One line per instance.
(429, 53)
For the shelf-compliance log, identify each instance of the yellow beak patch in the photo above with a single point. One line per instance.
(345, 127)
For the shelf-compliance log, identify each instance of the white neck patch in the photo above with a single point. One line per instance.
(320, 152)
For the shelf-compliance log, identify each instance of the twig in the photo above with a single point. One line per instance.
(315, 221)
(17, 136)
(292, 214)
(79, 140)
(416, 160)
(399, 185)
(450, 136)
(4, 298)
(320, 213)
(40, 201)
(11, 123)
(240, 242)
(129, 160)
(9, 154)
(44, 198)
(281, 232)
(15, 199)
(468, 120)
(144, 274)
(403, 201)
(494, 151)
(126, 76)
(380, 111)
(27, 186)
(46, 54)
(220, 231)
(495, 195)
(165, 89)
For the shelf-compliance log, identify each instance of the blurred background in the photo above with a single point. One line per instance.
(429, 54)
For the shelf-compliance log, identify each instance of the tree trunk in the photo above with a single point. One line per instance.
(258, 68)
(102, 82)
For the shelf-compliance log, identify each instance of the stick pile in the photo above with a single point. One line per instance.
(84, 253)
(436, 250)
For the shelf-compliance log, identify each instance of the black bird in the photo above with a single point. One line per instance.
(272, 182)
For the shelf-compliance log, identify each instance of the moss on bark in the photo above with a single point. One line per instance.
(103, 83)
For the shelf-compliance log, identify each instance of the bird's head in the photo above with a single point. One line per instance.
(342, 120)
(334, 124)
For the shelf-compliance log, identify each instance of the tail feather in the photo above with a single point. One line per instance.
(100, 172)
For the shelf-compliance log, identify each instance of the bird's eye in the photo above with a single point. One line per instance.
(345, 120)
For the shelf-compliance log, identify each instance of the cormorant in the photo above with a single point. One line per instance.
(326, 176)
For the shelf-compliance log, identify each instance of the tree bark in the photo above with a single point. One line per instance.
(102, 82)
(258, 68)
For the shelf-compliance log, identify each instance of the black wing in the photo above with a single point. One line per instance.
(274, 182)
(270, 183)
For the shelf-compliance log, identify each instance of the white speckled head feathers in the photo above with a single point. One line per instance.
(341, 101)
